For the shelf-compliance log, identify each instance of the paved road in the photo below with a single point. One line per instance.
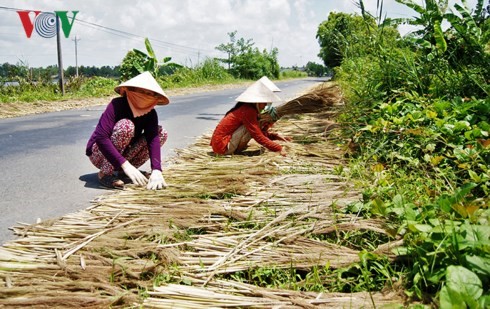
(45, 173)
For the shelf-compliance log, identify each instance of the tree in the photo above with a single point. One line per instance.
(229, 48)
(315, 69)
(10, 71)
(343, 34)
(246, 61)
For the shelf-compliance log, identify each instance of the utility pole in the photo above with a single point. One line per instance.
(61, 79)
(76, 54)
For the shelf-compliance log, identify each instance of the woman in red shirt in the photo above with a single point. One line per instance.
(241, 123)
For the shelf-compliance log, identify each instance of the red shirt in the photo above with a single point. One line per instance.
(246, 115)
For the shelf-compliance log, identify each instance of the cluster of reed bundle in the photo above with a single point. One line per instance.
(316, 100)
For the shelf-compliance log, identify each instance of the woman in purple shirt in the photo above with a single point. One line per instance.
(128, 134)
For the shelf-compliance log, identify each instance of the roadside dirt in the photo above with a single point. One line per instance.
(17, 109)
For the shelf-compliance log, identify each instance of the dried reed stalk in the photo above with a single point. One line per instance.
(316, 100)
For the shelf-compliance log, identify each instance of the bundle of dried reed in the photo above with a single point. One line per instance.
(227, 294)
(316, 100)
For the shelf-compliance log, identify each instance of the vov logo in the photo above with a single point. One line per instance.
(45, 22)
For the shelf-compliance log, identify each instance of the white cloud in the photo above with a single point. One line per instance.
(186, 30)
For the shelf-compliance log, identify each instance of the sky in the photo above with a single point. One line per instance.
(186, 30)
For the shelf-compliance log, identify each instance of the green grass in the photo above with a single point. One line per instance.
(75, 88)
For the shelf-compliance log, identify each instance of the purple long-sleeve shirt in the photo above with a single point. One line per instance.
(146, 125)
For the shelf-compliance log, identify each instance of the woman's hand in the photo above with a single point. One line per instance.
(134, 174)
(156, 181)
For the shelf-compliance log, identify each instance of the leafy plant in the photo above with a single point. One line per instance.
(418, 119)
(137, 61)
(208, 72)
(463, 289)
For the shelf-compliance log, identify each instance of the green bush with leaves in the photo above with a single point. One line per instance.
(418, 115)
(208, 72)
(98, 86)
(137, 61)
(315, 69)
(292, 74)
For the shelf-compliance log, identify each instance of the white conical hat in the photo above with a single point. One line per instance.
(269, 84)
(145, 81)
(258, 93)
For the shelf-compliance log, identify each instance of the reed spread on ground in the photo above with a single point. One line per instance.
(255, 230)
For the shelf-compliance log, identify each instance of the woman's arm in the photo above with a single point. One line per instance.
(153, 140)
(251, 122)
(102, 135)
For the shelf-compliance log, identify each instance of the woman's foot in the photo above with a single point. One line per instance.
(110, 181)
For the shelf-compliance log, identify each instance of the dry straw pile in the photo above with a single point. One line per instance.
(323, 97)
(181, 247)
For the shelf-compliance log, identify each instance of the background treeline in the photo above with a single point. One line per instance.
(243, 61)
(417, 122)
(11, 71)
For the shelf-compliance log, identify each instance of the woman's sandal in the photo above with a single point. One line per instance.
(111, 182)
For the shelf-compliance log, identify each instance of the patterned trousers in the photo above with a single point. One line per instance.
(136, 153)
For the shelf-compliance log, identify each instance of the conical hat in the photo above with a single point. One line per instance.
(145, 81)
(258, 93)
(269, 84)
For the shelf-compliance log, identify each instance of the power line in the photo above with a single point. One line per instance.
(129, 34)
(10, 9)
(155, 42)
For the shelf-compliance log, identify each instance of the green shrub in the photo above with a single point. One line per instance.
(209, 72)
(418, 115)
(98, 86)
(292, 74)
